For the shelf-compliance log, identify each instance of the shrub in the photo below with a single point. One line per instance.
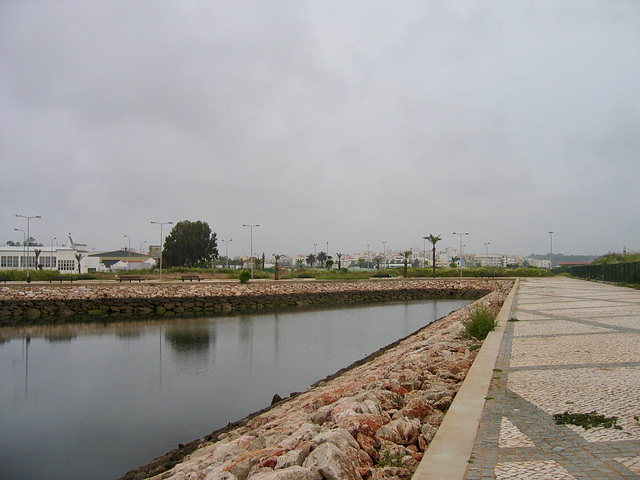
(244, 276)
(481, 321)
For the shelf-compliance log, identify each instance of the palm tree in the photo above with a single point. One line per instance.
(79, 257)
(407, 255)
(339, 255)
(277, 274)
(322, 257)
(37, 252)
(434, 239)
(311, 259)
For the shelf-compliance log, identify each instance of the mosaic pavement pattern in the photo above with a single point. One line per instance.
(575, 348)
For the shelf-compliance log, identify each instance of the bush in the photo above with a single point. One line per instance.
(481, 321)
(245, 276)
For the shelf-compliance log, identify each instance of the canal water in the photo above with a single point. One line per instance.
(94, 401)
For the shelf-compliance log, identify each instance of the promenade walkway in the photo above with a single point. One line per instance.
(576, 348)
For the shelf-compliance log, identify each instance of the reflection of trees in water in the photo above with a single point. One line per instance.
(189, 340)
(130, 332)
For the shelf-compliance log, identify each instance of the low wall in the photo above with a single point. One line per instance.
(38, 304)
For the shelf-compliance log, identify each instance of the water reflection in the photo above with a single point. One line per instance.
(118, 395)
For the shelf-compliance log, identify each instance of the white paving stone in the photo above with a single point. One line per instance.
(544, 470)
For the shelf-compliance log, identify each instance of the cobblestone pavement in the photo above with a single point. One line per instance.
(576, 348)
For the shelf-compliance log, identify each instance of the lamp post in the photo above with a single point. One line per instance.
(486, 253)
(384, 252)
(368, 257)
(315, 254)
(227, 254)
(424, 252)
(551, 243)
(129, 250)
(461, 234)
(142, 243)
(161, 224)
(251, 256)
(51, 253)
(28, 240)
(24, 242)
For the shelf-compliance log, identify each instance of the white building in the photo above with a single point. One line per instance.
(491, 260)
(63, 258)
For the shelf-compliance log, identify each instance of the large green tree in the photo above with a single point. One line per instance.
(189, 244)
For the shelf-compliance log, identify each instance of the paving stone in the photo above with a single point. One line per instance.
(576, 348)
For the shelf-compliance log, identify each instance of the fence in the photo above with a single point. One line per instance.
(614, 272)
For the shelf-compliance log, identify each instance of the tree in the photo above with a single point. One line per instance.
(339, 255)
(277, 274)
(361, 262)
(407, 255)
(37, 251)
(79, 257)
(11, 243)
(189, 244)
(322, 257)
(329, 262)
(454, 262)
(434, 239)
(311, 259)
(377, 260)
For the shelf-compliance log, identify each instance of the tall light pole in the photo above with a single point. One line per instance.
(384, 250)
(24, 243)
(486, 253)
(129, 250)
(368, 257)
(551, 243)
(424, 252)
(28, 240)
(51, 253)
(251, 255)
(227, 244)
(142, 243)
(161, 237)
(461, 234)
(315, 253)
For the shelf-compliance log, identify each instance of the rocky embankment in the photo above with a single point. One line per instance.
(373, 421)
(58, 303)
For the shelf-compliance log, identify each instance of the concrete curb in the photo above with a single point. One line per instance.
(447, 457)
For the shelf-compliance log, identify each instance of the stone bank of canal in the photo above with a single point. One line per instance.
(53, 303)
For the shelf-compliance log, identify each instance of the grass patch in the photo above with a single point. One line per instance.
(481, 321)
(389, 459)
(586, 420)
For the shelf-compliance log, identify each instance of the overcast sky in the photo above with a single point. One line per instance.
(351, 123)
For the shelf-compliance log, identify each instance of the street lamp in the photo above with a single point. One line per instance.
(486, 253)
(227, 254)
(142, 243)
(315, 254)
(424, 252)
(161, 224)
(24, 243)
(368, 257)
(551, 243)
(461, 234)
(384, 250)
(51, 253)
(28, 240)
(129, 261)
(251, 228)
